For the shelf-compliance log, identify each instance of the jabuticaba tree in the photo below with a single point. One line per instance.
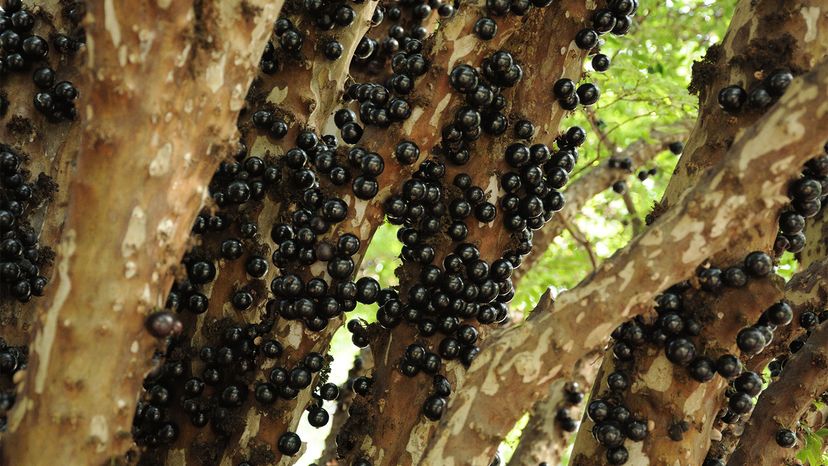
(517, 361)
(680, 405)
(213, 173)
(553, 420)
(141, 159)
(380, 107)
(453, 288)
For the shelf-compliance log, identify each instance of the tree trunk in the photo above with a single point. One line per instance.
(804, 379)
(665, 395)
(389, 427)
(142, 164)
(577, 322)
(305, 92)
(757, 43)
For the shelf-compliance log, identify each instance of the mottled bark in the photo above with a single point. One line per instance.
(758, 41)
(784, 402)
(144, 157)
(664, 394)
(726, 199)
(307, 90)
(807, 290)
(391, 429)
(590, 184)
(763, 35)
(543, 439)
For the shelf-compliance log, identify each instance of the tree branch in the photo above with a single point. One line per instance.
(638, 225)
(742, 58)
(784, 402)
(589, 185)
(340, 417)
(139, 180)
(774, 149)
(543, 439)
(579, 236)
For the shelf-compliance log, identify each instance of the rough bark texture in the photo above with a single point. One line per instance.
(783, 403)
(139, 179)
(590, 184)
(49, 152)
(727, 198)
(391, 430)
(543, 439)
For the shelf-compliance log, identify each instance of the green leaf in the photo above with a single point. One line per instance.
(811, 453)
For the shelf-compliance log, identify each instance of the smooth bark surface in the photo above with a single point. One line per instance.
(773, 149)
(139, 179)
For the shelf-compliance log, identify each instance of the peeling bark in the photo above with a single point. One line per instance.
(543, 439)
(143, 161)
(726, 198)
(758, 41)
(391, 430)
(784, 402)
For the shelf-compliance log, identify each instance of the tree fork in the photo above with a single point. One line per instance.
(737, 60)
(582, 317)
(400, 438)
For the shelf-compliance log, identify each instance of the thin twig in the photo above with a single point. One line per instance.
(637, 224)
(603, 137)
(581, 239)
